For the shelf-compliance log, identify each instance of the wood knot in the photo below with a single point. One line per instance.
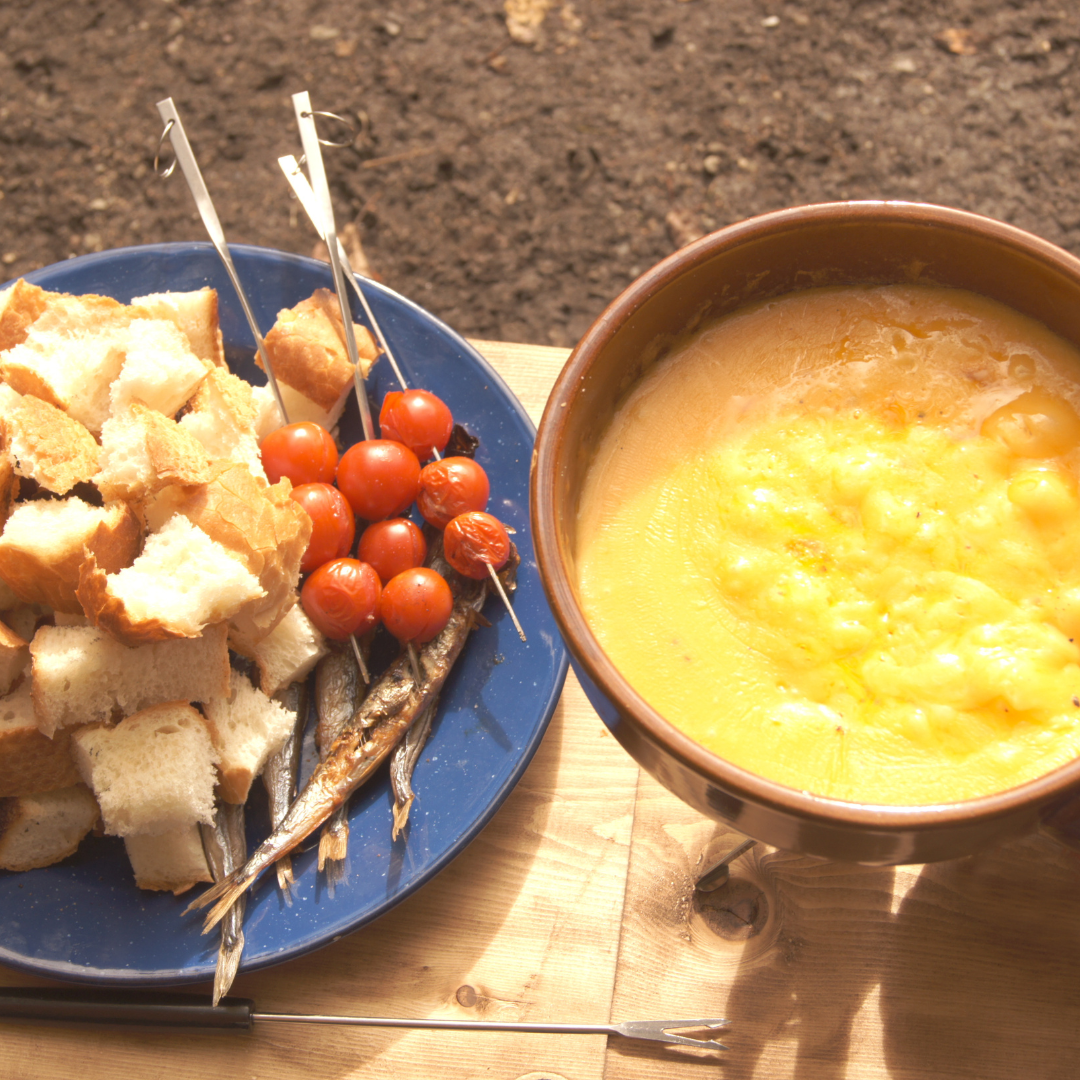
(736, 911)
(466, 996)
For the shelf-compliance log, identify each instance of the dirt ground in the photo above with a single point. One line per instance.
(517, 162)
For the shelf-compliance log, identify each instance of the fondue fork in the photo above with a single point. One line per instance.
(140, 1010)
(309, 136)
(185, 158)
(306, 197)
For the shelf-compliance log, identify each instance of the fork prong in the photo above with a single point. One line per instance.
(662, 1031)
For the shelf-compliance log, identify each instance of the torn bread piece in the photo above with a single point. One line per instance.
(14, 657)
(195, 313)
(289, 652)
(46, 827)
(81, 675)
(71, 354)
(142, 451)
(260, 525)
(182, 582)
(159, 369)
(24, 619)
(247, 728)
(29, 761)
(9, 492)
(297, 406)
(44, 543)
(306, 348)
(172, 861)
(20, 305)
(222, 415)
(46, 444)
(152, 773)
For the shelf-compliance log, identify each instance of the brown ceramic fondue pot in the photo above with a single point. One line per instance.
(809, 246)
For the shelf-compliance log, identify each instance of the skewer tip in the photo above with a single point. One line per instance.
(506, 601)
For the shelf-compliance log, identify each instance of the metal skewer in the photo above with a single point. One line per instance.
(309, 136)
(174, 131)
(506, 601)
(302, 190)
(138, 1009)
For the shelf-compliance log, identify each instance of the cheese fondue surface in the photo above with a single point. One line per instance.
(835, 538)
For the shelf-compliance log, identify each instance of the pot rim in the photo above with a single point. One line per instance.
(1050, 788)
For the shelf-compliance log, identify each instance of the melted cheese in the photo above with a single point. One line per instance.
(835, 539)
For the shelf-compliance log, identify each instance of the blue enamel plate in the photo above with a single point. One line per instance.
(83, 919)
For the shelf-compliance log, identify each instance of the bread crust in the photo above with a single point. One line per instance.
(261, 525)
(176, 456)
(35, 577)
(20, 306)
(306, 347)
(30, 762)
(195, 669)
(168, 862)
(49, 446)
(43, 828)
(9, 487)
(196, 313)
(109, 612)
(234, 392)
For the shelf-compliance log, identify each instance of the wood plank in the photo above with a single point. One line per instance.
(964, 969)
(529, 370)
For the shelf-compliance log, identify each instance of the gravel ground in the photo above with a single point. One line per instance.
(515, 164)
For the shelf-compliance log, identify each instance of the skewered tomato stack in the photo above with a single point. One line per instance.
(378, 480)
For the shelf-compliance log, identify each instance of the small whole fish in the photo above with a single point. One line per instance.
(339, 689)
(282, 771)
(225, 846)
(393, 703)
(403, 762)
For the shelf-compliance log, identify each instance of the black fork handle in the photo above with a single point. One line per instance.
(123, 1009)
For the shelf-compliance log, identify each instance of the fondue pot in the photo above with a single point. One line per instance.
(831, 244)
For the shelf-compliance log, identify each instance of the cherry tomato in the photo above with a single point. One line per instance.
(451, 487)
(342, 598)
(416, 605)
(392, 546)
(303, 452)
(474, 541)
(333, 524)
(379, 478)
(418, 419)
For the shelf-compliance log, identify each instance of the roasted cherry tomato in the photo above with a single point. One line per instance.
(416, 605)
(474, 541)
(392, 546)
(333, 524)
(303, 452)
(418, 419)
(342, 598)
(451, 487)
(379, 478)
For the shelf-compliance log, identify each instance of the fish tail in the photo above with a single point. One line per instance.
(211, 894)
(334, 841)
(285, 876)
(228, 963)
(234, 887)
(401, 816)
